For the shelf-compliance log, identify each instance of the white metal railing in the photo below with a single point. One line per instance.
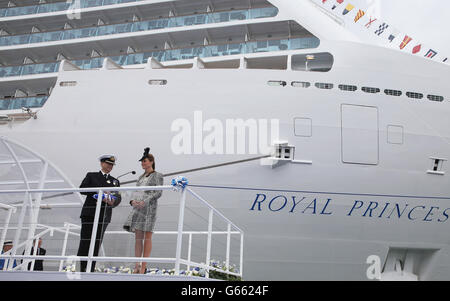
(177, 261)
(10, 210)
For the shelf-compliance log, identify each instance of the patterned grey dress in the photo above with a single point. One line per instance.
(144, 218)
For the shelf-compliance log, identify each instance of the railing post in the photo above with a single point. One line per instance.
(5, 227)
(227, 262)
(189, 252)
(241, 255)
(208, 247)
(19, 229)
(36, 243)
(63, 253)
(94, 230)
(34, 211)
(180, 231)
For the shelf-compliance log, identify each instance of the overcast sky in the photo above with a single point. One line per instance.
(425, 20)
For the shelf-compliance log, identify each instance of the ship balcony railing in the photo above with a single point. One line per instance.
(22, 102)
(171, 55)
(200, 19)
(33, 202)
(56, 7)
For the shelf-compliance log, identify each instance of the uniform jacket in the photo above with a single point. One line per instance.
(38, 264)
(96, 179)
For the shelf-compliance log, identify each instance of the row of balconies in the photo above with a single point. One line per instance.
(77, 33)
(14, 10)
(22, 102)
(171, 55)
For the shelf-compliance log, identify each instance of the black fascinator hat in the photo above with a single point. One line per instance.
(149, 156)
(146, 153)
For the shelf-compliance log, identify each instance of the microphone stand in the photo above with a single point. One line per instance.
(132, 172)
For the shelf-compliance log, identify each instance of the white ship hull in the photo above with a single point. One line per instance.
(360, 209)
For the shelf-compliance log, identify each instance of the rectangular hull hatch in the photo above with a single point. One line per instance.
(360, 142)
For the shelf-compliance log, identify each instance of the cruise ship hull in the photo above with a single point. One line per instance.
(319, 218)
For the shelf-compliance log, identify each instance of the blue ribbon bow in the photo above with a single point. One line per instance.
(180, 182)
(104, 196)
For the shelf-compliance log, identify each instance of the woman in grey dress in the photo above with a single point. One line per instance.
(143, 216)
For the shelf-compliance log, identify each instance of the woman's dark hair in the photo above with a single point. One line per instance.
(149, 156)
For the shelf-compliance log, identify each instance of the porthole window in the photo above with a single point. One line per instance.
(393, 92)
(275, 83)
(435, 98)
(68, 84)
(324, 85)
(157, 82)
(301, 84)
(414, 95)
(348, 88)
(370, 90)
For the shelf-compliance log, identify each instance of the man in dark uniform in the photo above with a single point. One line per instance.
(38, 264)
(111, 199)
